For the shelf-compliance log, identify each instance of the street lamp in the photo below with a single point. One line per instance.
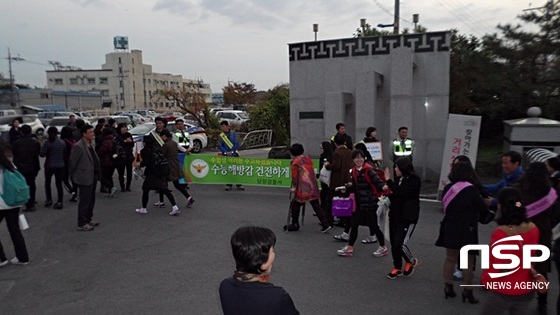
(315, 30)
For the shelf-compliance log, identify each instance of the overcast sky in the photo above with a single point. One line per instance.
(215, 40)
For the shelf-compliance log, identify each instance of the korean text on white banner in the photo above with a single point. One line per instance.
(375, 149)
(461, 139)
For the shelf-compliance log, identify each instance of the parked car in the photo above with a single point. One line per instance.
(58, 122)
(234, 117)
(37, 127)
(46, 117)
(198, 135)
(168, 116)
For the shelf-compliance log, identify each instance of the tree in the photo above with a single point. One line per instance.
(189, 98)
(236, 94)
(274, 113)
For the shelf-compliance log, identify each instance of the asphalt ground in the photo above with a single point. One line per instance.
(158, 264)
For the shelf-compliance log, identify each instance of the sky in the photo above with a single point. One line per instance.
(214, 40)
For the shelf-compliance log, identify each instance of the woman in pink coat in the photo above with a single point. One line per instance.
(304, 185)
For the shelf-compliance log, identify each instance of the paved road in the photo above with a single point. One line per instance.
(157, 264)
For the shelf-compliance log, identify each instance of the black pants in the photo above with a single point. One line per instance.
(182, 188)
(166, 192)
(86, 202)
(30, 180)
(296, 206)
(399, 235)
(107, 177)
(70, 186)
(370, 217)
(12, 221)
(120, 169)
(58, 174)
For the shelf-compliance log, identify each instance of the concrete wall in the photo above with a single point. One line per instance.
(373, 81)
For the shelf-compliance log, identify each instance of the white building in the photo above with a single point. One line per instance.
(124, 81)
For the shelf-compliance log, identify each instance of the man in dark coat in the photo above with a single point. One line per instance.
(26, 158)
(340, 167)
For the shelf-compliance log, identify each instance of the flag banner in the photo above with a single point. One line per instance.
(216, 169)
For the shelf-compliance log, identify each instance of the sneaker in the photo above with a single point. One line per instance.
(3, 263)
(228, 187)
(58, 205)
(369, 240)
(159, 204)
(113, 191)
(74, 197)
(394, 274)
(85, 227)
(381, 251)
(342, 237)
(458, 275)
(346, 251)
(325, 230)
(292, 227)
(16, 261)
(48, 203)
(240, 187)
(142, 211)
(190, 201)
(175, 210)
(93, 223)
(409, 267)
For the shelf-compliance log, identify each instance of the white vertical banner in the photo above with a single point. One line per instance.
(461, 138)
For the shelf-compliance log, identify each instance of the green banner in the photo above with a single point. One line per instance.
(212, 169)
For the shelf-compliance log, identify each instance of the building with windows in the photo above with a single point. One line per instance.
(124, 82)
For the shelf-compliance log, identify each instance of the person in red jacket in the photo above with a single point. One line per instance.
(513, 221)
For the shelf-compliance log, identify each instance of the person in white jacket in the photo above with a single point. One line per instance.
(11, 214)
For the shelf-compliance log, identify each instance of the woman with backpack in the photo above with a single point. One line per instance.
(11, 213)
(125, 157)
(156, 176)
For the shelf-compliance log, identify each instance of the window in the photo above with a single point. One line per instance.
(121, 83)
(105, 92)
(44, 95)
(132, 60)
(58, 82)
(73, 80)
(103, 80)
(132, 70)
(91, 80)
(149, 80)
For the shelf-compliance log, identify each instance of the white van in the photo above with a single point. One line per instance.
(8, 112)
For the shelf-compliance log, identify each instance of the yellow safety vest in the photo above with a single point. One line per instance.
(399, 150)
(183, 138)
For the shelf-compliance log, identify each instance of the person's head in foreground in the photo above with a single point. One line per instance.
(253, 250)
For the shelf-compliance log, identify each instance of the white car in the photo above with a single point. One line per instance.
(198, 135)
(234, 117)
(37, 127)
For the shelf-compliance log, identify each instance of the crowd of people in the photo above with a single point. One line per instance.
(524, 204)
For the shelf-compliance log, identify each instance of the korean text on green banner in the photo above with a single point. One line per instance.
(212, 169)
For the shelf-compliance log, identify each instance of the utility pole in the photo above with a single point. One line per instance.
(397, 18)
(12, 81)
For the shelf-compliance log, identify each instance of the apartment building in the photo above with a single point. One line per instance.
(124, 82)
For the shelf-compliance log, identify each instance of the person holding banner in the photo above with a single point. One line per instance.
(228, 145)
(371, 135)
(462, 207)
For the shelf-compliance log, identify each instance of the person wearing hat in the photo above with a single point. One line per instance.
(54, 151)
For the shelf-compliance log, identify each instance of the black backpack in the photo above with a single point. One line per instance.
(160, 164)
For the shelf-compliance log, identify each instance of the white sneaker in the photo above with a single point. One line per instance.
(113, 191)
(175, 210)
(142, 211)
(3, 263)
(159, 204)
(381, 251)
(16, 261)
(342, 237)
(370, 240)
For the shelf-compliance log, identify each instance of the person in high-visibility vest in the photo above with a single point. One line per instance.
(403, 146)
(182, 137)
(228, 145)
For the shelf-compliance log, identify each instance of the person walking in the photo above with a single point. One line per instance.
(367, 187)
(403, 215)
(228, 145)
(340, 167)
(66, 135)
(170, 151)
(155, 179)
(26, 152)
(326, 156)
(54, 150)
(85, 171)
(105, 153)
(304, 185)
(126, 143)
(11, 213)
(462, 206)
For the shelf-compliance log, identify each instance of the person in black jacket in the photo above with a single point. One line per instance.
(26, 158)
(403, 215)
(124, 138)
(463, 206)
(249, 291)
(366, 185)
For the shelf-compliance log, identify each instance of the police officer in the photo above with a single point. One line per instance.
(181, 136)
(403, 146)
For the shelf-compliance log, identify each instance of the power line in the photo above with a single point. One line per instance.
(460, 18)
(390, 13)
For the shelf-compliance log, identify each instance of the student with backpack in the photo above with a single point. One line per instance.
(9, 209)
(156, 171)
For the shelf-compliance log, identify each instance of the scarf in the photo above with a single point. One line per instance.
(251, 277)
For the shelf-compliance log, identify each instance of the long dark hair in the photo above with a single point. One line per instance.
(405, 166)
(472, 177)
(5, 163)
(362, 147)
(511, 208)
(327, 151)
(535, 182)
